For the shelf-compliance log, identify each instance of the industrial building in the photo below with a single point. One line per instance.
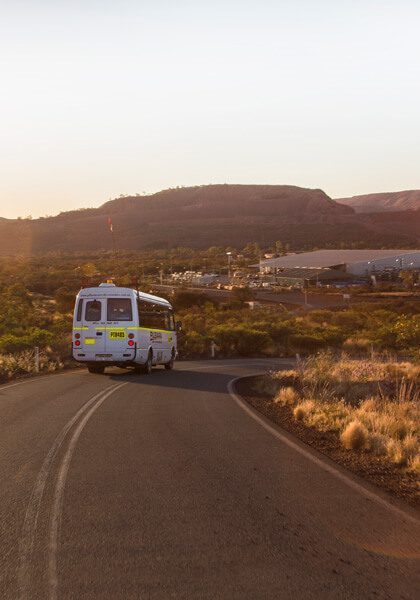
(322, 266)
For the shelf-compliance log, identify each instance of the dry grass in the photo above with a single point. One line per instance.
(403, 452)
(23, 363)
(354, 436)
(286, 377)
(327, 416)
(414, 464)
(299, 412)
(286, 396)
(406, 370)
(328, 394)
(357, 344)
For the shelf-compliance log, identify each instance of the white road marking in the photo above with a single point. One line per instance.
(26, 543)
(29, 528)
(83, 415)
(234, 363)
(57, 504)
(316, 459)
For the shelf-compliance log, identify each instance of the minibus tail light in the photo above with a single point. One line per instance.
(131, 342)
(77, 343)
(130, 336)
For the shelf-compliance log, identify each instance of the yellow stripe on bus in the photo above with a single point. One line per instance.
(122, 328)
(153, 330)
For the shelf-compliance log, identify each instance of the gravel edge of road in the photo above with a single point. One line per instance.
(391, 479)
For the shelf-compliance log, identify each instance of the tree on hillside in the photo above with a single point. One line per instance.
(279, 247)
(242, 294)
(252, 251)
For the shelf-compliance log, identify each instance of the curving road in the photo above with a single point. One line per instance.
(125, 486)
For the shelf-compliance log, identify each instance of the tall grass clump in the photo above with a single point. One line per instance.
(354, 436)
(286, 396)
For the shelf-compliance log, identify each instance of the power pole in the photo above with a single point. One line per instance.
(229, 255)
(114, 244)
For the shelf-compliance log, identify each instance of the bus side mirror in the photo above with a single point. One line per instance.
(178, 326)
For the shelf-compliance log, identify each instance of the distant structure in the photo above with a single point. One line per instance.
(323, 266)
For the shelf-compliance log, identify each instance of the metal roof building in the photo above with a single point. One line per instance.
(355, 262)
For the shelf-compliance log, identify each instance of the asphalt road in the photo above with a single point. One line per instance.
(124, 486)
(291, 298)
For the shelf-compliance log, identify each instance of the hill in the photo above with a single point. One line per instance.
(384, 202)
(204, 216)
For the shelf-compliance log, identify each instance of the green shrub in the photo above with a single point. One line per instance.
(17, 343)
(239, 339)
(348, 321)
(192, 344)
(184, 300)
(306, 343)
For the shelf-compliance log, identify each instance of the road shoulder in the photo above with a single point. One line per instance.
(400, 484)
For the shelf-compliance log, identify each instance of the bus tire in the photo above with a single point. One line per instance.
(147, 367)
(170, 365)
(96, 369)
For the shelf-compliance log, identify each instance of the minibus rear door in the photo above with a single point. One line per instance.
(119, 318)
(94, 329)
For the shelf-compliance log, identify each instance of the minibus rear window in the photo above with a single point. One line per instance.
(79, 310)
(119, 309)
(93, 310)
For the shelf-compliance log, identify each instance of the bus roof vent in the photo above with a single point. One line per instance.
(107, 284)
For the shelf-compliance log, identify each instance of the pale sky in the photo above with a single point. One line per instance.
(102, 98)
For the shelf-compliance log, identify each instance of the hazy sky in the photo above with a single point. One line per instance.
(100, 98)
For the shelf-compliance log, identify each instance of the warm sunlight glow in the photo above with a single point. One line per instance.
(104, 98)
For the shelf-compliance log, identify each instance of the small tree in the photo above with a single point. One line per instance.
(242, 294)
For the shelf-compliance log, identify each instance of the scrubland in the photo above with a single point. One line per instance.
(32, 319)
(384, 326)
(372, 405)
(37, 298)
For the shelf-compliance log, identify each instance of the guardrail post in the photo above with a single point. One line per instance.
(36, 357)
(212, 349)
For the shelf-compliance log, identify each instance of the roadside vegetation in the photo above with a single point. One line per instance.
(373, 406)
(383, 326)
(37, 298)
(24, 363)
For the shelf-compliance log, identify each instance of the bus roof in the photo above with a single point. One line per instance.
(113, 290)
(151, 298)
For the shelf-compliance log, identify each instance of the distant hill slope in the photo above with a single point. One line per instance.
(200, 217)
(387, 201)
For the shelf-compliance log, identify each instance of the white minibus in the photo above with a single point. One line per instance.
(117, 326)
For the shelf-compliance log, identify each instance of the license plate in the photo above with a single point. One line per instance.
(90, 341)
(117, 335)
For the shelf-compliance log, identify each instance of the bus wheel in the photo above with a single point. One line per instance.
(170, 365)
(147, 367)
(96, 369)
